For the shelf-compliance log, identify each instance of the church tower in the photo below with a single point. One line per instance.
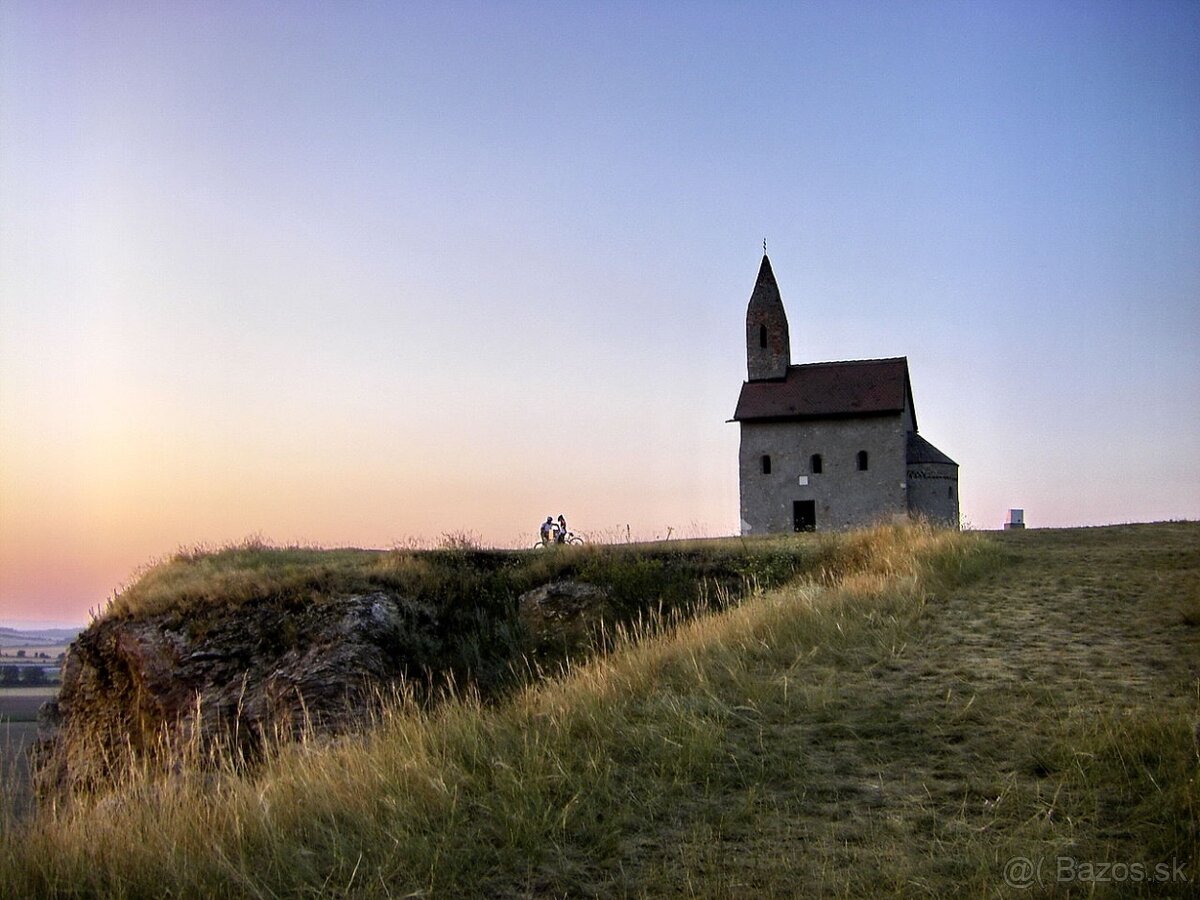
(768, 352)
(830, 445)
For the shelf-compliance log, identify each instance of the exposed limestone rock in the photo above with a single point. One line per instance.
(563, 618)
(226, 677)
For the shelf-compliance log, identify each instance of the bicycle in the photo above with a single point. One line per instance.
(572, 538)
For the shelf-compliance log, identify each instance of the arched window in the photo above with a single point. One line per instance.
(862, 460)
(815, 464)
(762, 336)
(766, 464)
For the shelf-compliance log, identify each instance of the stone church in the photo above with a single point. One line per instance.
(830, 445)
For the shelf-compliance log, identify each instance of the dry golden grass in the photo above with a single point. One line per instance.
(931, 706)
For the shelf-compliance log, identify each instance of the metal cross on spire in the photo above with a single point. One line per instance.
(764, 246)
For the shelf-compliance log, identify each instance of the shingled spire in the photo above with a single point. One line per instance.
(768, 352)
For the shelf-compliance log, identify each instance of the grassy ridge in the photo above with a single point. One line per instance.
(194, 581)
(901, 723)
(473, 593)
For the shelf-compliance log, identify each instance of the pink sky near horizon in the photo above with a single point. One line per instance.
(362, 275)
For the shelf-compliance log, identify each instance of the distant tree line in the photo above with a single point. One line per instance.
(21, 654)
(29, 676)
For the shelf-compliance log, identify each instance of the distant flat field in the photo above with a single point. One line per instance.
(20, 704)
(15, 791)
(9, 652)
(18, 729)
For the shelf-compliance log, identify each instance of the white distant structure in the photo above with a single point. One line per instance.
(1016, 519)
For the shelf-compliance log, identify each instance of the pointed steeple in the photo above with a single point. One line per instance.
(768, 351)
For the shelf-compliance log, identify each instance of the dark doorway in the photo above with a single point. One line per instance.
(804, 515)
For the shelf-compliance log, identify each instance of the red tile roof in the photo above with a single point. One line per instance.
(829, 390)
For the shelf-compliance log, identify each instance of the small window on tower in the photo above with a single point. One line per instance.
(862, 460)
(766, 465)
(762, 336)
(815, 464)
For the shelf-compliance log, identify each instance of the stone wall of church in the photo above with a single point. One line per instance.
(933, 492)
(843, 496)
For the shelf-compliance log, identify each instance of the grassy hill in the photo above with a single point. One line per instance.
(919, 713)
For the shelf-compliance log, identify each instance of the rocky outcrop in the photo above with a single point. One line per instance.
(136, 687)
(216, 682)
(563, 618)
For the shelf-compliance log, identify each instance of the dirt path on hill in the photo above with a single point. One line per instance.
(939, 762)
(1093, 613)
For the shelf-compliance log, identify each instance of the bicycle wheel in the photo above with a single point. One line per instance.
(574, 539)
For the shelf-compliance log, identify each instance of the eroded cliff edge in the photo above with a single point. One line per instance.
(228, 681)
(286, 645)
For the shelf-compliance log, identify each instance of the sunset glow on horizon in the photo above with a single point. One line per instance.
(367, 275)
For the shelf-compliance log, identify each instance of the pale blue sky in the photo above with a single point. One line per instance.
(351, 272)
